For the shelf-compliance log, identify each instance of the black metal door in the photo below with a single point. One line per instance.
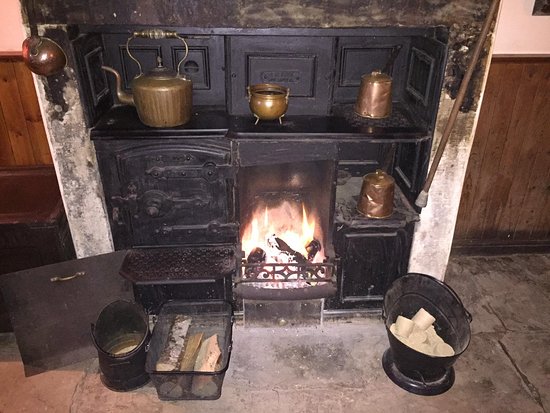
(51, 308)
(165, 193)
(370, 263)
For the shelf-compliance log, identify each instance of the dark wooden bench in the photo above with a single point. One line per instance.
(33, 227)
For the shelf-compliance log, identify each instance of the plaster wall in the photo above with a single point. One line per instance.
(519, 32)
(12, 32)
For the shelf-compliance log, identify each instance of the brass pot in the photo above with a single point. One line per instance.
(375, 95)
(376, 198)
(268, 101)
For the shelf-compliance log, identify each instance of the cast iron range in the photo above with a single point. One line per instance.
(180, 189)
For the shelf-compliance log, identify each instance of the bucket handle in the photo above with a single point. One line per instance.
(156, 34)
(453, 293)
(457, 298)
(92, 328)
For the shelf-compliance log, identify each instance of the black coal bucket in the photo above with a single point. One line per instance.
(121, 335)
(411, 370)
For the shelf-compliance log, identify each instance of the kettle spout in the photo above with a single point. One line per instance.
(123, 97)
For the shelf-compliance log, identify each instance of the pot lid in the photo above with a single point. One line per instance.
(379, 179)
(162, 72)
(376, 77)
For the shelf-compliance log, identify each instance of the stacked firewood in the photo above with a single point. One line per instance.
(188, 352)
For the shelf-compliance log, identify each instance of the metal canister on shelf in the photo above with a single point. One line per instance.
(376, 198)
(375, 96)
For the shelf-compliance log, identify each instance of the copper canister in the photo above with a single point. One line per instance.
(374, 98)
(376, 198)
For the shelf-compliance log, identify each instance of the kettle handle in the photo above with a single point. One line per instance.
(156, 34)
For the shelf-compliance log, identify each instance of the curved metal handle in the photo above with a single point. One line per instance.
(156, 34)
(287, 94)
(249, 93)
(67, 278)
(34, 50)
(455, 295)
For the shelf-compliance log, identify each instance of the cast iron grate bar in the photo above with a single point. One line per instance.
(305, 274)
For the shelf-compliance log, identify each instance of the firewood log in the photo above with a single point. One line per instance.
(190, 352)
(312, 249)
(256, 256)
(170, 355)
(207, 361)
(208, 356)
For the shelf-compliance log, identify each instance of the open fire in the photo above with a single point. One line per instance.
(283, 243)
(284, 233)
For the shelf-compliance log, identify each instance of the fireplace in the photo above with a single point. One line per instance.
(158, 190)
(63, 97)
(286, 215)
(282, 195)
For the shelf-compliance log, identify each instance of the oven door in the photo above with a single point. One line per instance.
(52, 307)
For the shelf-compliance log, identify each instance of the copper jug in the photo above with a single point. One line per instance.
(43, 56)
(376, 198)
(163, 98)
(374, 99)
(375, 93)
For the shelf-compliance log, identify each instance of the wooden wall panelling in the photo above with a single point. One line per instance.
(33, 117)
(6, 153)
(471, 180)
(534, 161)
(491, 144)
(506, 195)
(21, 127)
(543, 223)
(16, 124)
(510, 183)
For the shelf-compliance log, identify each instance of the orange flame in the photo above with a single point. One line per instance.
(287, 222)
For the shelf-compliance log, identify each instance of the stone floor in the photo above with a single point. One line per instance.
(337, 367)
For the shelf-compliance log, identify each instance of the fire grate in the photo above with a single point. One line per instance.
(151, 265)
(288, 281)
(273, 273)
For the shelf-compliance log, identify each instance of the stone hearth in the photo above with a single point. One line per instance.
(337, 367)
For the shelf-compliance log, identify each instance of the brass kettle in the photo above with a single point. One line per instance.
(163, 98)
